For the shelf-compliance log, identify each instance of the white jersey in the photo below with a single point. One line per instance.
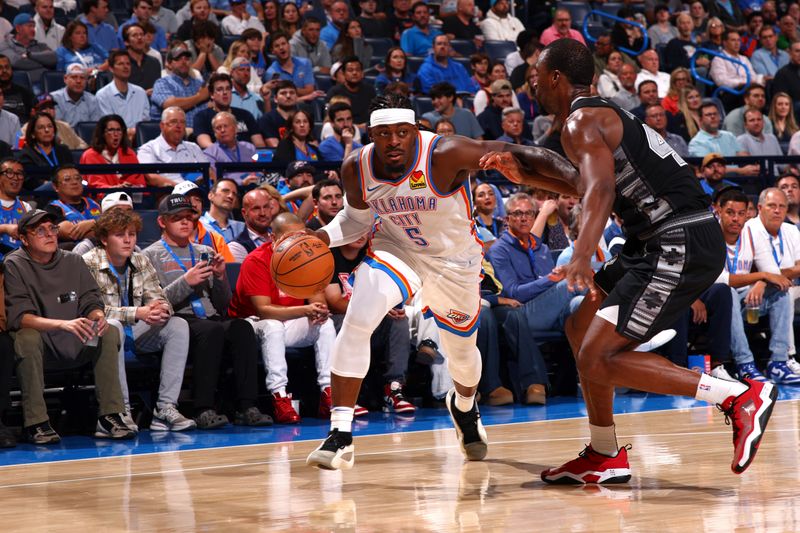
(411, 213)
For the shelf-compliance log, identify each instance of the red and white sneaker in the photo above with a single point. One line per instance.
(591, 467)
(748, 413)
(394, 401)
(325, 403)
(359, 410)
(284, 412)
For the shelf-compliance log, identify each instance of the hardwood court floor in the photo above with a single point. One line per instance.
(417, 482)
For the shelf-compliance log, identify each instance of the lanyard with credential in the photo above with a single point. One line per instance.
(124, 301)
(197, 305)
(732, 264)
(54, 161)
(531, 257)
(774, 251)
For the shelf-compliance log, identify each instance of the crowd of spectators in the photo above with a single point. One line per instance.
(236, 81)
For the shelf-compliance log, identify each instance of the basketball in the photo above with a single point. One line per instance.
(302, 265)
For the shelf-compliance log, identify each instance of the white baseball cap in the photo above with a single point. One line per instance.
(185, 187)
(114, 199)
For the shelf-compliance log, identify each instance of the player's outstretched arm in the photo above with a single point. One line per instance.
(529, 165)
(356, 218)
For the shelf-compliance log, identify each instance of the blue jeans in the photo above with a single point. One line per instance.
(549, 310)
(778, 305)
(526, 365)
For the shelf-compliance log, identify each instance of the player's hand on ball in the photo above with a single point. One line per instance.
(503, 162)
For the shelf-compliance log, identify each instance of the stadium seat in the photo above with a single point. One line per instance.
(413, 63)
(422, 104)
(232, 270)
(52, 81)
(150, 231)
(228, 40)
(319, 109)
(104, 77)
(578, 11)
(21, 78)
(468, 102)
(318, 130)
(147, 131)
(85, 130)
(380, 46)
(463, 47)
(323, 82)
(464, 62)
(499, 49)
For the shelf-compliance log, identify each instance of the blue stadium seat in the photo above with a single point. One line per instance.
(467, 102)
(228, 40)
(413, 63)
(323, 82)
(147, 131)
(499, 49)
(232, 270)
(319, 109)
(52, 81)
(85, 130)
(463, 47)
(380, 46)
(21, 78)
(104, 77)
(318, 130)
(422, 104)
(578, 11)
(464, 62)
(150, 231)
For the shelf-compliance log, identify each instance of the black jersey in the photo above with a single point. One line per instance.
(653, 183)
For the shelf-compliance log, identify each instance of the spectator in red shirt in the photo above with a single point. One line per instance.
(110, 147)
(281, 322)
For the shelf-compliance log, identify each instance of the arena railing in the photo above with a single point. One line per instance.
(699, 77)
(589, 37)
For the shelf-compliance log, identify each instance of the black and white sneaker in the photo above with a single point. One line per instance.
(335, 453)
(469, 429)
(112, 427)
(41, 433)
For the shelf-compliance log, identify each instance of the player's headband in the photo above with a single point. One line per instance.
(382, 117)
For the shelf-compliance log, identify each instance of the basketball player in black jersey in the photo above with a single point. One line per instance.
(674, 251)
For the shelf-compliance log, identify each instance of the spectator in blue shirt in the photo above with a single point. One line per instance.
(437, 67)
(298, 70)
(74, 103)
(768, 58)
(340, 14)
(76, 47)
(141, 14)
(396, 70)
(100, 33)
(418, 39)
(339, 145)
(178, 89)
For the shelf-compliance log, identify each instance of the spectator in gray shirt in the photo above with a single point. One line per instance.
(306, 43)
(9, 123)
(163, 17)
(656, 118)
(74, 103)
(443, 96)
(25, 52)
(627, 97)
(754, 141)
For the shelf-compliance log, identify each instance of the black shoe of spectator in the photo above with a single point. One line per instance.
(7, 439)
(209, 419)
(252, 417)
(41, 433)
(113, 427)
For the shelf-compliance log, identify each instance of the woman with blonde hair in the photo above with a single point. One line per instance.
(781, 113)
(240, 49)
(689, 102)
(680, 78)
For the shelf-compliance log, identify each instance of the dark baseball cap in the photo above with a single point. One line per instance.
(298, 167)
(34, 217)
(178, 52)
(173, 204)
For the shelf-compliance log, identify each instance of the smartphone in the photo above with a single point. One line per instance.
(275, 76)
(205, 257)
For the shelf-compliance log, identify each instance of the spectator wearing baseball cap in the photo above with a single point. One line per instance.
(491, 119)
(203, 234)
(179, 88)
(74, 103)
(497, 72)
(713, 171)
(64, 132)
(196, 285)
(25, 52)
(114, 200)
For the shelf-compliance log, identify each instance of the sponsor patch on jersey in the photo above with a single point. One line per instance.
(457, 317)
(417, 180)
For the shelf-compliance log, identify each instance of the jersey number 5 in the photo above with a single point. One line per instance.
(416, 236)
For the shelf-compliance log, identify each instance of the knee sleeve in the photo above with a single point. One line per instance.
(463, 358)
(374, 294)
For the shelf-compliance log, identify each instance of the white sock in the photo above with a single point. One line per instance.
(342, 419)
(464, 403)
(280, 391)
(716, 391)
(604, 439)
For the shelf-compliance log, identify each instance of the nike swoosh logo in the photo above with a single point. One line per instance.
(370, 189)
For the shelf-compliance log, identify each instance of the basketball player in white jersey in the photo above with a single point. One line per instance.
(410, 188)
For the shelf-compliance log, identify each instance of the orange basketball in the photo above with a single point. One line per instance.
(302, 265)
